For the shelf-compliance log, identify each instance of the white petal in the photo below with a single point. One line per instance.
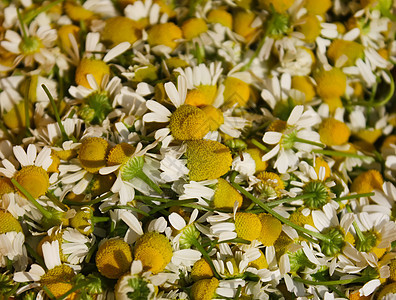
(132, 222)
(21, 156)
(177, 221)
(295, 114)
(108, 170)
(31, 153)
(172, 93)
(272, 137)
(117, 50)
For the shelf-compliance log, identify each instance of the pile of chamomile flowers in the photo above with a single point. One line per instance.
(201, 149)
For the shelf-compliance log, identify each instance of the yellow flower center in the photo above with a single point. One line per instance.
(120, 154)
(154, 251)
(333, 103)
(8, 222)
(282, 243)
(242, 24)
(34, 179)
(298, 218)
(387, 289)
(369, 135)
(304, 85)
(53, 168)
(76, 12)
(350, 49)
(310, 27)
(236, 91)
(247, 226)
(101, 184)
(320, 162)
(330, 84)
(6, 186)
(98, 68)
(204, 289)
(164, 34)
(257, 154)
(66, 154)
(82, 221)
(188, 123)
(356, 296)
(114, 258)
(58, 280)
(367, 181)
(207, 159)
(193, 27)
(175, 62)
(333, 132)
(63, 35)
(389, 140)
(271, 184)
(259, 263)
(225, 196)
(271, 228)
(120, 29)
(92, 154)
(15, 118)
(315, 7)
(277, 126)
(215, 117)
(146, 73)
(279, 5)
(220, 16)
(59, 288)
(202, 95)
(392, 270)
(201, 270)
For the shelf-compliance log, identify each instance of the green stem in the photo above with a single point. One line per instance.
(27, 107)
(151, 183)
(56, 113)
(287, 200)
(99, 219)
(354, 196)
(329, 282)
(43, 211)
(170, 204)
(359, 233)
(92, 202)
(56, 201)
(127, 207)
(278, 216)
(197, 245)
(238, 292)
(33, 14)
(49, 293)
(255, 54)
(300, 140)
(36, 257)
(259, 145)
(341, 154)
(24, 33)
(72, 290)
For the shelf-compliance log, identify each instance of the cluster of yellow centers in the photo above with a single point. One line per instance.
(92, 154)
(333, 132)
(225, 196)
(204, 289)
(188, 123)
(114, 258)
(154, 251)
(34, 179)
(58, 280)
(207, 159)
(8, 222)
(367, 181)
(262, 227)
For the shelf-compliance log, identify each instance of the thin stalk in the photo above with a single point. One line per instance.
(151, 199)
(151, 183)
(127, 207)
(92, 202)
(206, 256)
(172, 203)
(287, 200)
(99, 219)
(43, 211)
(22, 23)
(354, 196)
(341, 154)
(30, 16)
(259, 145)
(27, 106)
(278, 216)
(356, 227)
(300, 140)
(255, 54)
(329, 282)
(56, 201)
(238, 292)
(49, 293)
(36, 257)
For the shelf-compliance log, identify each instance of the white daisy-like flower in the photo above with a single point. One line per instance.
(75, 245)
(145, 9)
(12, 247)
(296, 135)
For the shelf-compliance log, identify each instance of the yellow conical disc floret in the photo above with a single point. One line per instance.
(356, 296)
(304, 85)
(392, 270)
(58, 280)
(120, 29)
(188, 123)
(154, 251)
(220, 16)
(236, 91)
(271, 228)
(6, 186)
(225, 196)
(259, 263)
(82, 221)
(321, 163)
(215, 117)
(333, 132)
(98, 68)
(257, 154)
(330, 84)
(119, 154)
(242, 24)
(76, 12)
(310, 27)
(270, 184)
(8, 222)
(207, 159)
(201, 270)
(282, 244)
(54, 167)
(114, 258)
(92, 154)
(34, 179)
(101, 184)
(165, 34)
(298, 218)
(15, 118)
(369, 135)
(367, 181)
(316, 7)
(247, 226)
(204, 289)
(202, 95)
(193, 27)
(63, 35)
(386, 290)
(349, 49)
(279, 5)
